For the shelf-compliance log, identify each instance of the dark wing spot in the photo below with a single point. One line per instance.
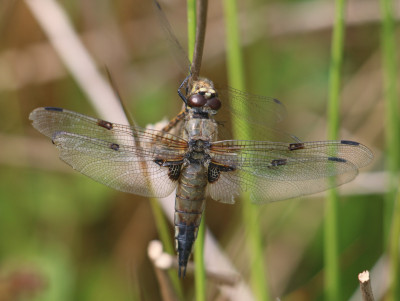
(174, 167)
(105, 124)
(159, 162)
(296, 146)
(214, 171)
(278, 162)
(336, 159)
(348, 142)
(53, 109)
(277, 101)
(114, 146)
(174, 171)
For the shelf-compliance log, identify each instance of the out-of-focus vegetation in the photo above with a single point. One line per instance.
(65, 237)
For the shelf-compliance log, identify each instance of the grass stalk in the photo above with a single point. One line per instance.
(250, 213)
(394, 290)
(191, 19)
(332, 284)
(200, 275)
(391, 217)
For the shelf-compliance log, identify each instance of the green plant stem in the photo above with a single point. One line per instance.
(250, 213)
(391, 217)
(331, 237)
(388, 41)
(191, 19)
(394, 293)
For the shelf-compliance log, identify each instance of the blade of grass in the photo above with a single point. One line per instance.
(191, 19)
(331, 225)
(391, 213)
(394, 290)
(250, 212)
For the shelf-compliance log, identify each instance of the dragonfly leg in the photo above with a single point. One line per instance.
(174, 121)
(180, 89)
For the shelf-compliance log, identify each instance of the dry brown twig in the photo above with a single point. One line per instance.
(365, 286)
(155, 253)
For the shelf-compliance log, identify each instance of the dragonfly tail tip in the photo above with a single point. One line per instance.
(182, 271)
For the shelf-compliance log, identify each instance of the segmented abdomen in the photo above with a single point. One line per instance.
(189, 206)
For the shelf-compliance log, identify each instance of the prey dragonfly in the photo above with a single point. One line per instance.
(195, 163)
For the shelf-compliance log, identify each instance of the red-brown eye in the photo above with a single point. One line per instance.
(197, 100)
(214, 103)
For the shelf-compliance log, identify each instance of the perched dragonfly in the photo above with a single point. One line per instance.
(154, 163)
(197, 154)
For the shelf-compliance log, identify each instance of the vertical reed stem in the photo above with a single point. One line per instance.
(331, 238)
(392, 207)
(250, 213)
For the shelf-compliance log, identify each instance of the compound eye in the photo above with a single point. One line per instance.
(197, 100)
(214, 103)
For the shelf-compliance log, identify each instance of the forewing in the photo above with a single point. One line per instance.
(119, 156)
(277, 171)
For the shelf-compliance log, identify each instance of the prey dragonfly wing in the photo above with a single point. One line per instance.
(154, 163)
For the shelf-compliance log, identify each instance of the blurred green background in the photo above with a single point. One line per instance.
(65, 237)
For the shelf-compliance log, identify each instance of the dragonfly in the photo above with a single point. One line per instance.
(205, 151)
(195, 163)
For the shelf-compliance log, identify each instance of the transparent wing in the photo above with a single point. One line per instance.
(245, 112)
(272, 171)
(176, 48)
(119, 156)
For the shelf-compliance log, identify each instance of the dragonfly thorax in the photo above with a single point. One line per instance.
(199, 125)
(199, 146)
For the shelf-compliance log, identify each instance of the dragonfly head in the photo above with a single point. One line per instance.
(203, 95)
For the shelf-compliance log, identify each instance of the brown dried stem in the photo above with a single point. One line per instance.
(365, 286)
(201, 23)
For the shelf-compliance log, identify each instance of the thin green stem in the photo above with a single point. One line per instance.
(391, 217)
(250, 213)
(388, 41)
(394, 290)
(191, 17)
(331, 237)
(234, 53)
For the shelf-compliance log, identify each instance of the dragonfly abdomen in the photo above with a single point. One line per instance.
(189, 206)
